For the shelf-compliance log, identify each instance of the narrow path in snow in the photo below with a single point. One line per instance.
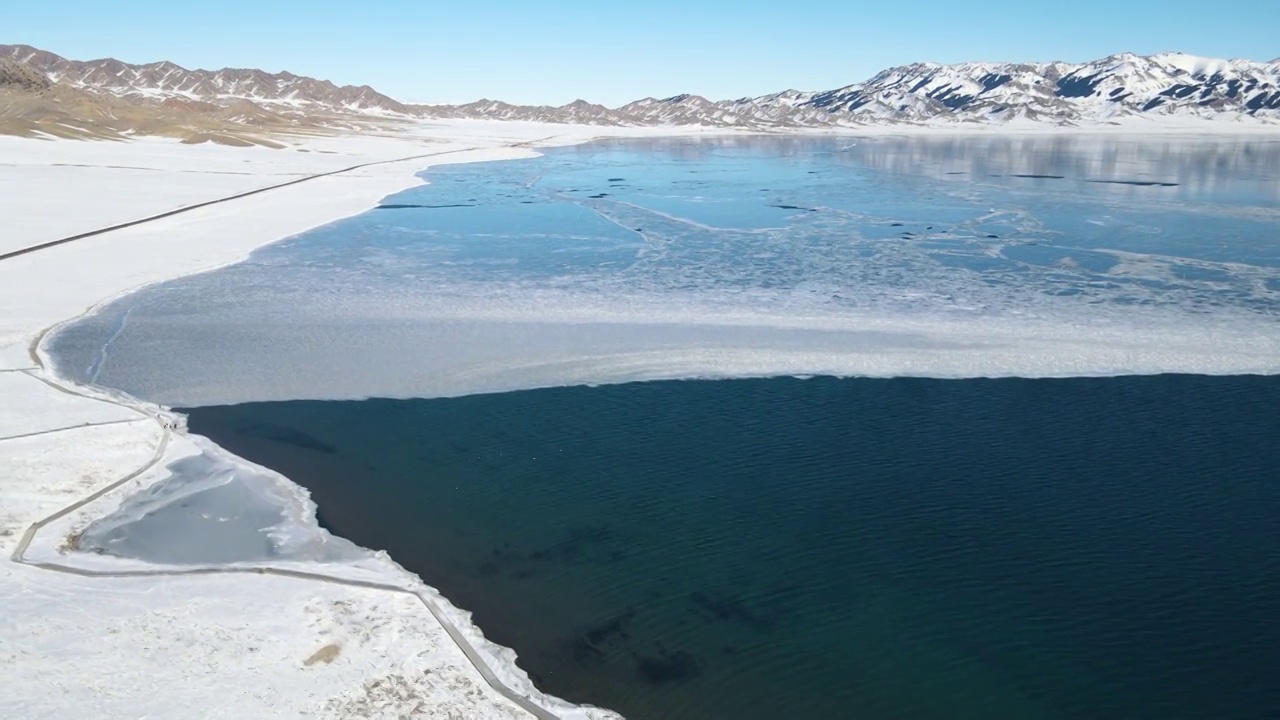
(237, 196)
(70, 427)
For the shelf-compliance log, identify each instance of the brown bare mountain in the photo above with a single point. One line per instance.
(42, 94)
(17, 76)
(165, 79)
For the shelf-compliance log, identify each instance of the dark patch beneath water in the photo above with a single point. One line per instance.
(290, 436)
(1135, 183)
(830, 548)
(668, 667)
(727, 608)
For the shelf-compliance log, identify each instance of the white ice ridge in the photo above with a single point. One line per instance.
(358, 356)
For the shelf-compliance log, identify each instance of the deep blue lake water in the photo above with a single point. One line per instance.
(823, 548)
(1033, 473)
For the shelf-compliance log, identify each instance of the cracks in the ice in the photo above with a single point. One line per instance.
(95, 368)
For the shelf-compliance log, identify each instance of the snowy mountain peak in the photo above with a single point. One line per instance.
(1100, 91)
(1195, 65)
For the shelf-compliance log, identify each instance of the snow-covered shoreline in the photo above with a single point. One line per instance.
(62, 443)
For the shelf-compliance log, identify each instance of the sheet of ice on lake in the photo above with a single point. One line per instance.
(743, 256)
(213, 509)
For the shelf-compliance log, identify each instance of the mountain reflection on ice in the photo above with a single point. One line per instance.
(643, 259)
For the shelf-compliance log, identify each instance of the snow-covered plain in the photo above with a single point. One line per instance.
(63, 189)
(76, 642)
(356, 638)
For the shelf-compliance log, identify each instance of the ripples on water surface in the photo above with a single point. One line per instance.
(860, 548)
(825, 548)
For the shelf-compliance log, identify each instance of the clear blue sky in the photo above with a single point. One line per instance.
(606, 51)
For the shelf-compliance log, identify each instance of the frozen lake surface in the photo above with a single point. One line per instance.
(753, 256)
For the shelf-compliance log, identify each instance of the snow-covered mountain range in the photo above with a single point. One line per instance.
(1067, 94)
(1102, 91)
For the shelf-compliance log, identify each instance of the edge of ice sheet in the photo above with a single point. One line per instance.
(568, 343)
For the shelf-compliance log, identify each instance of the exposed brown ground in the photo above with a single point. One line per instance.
(32, 106)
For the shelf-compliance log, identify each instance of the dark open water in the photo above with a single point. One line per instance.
(823, 548)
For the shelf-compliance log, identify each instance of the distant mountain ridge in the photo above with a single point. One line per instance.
(43, 94)
(165, 79)
(1068, 94)
(1165, 85)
